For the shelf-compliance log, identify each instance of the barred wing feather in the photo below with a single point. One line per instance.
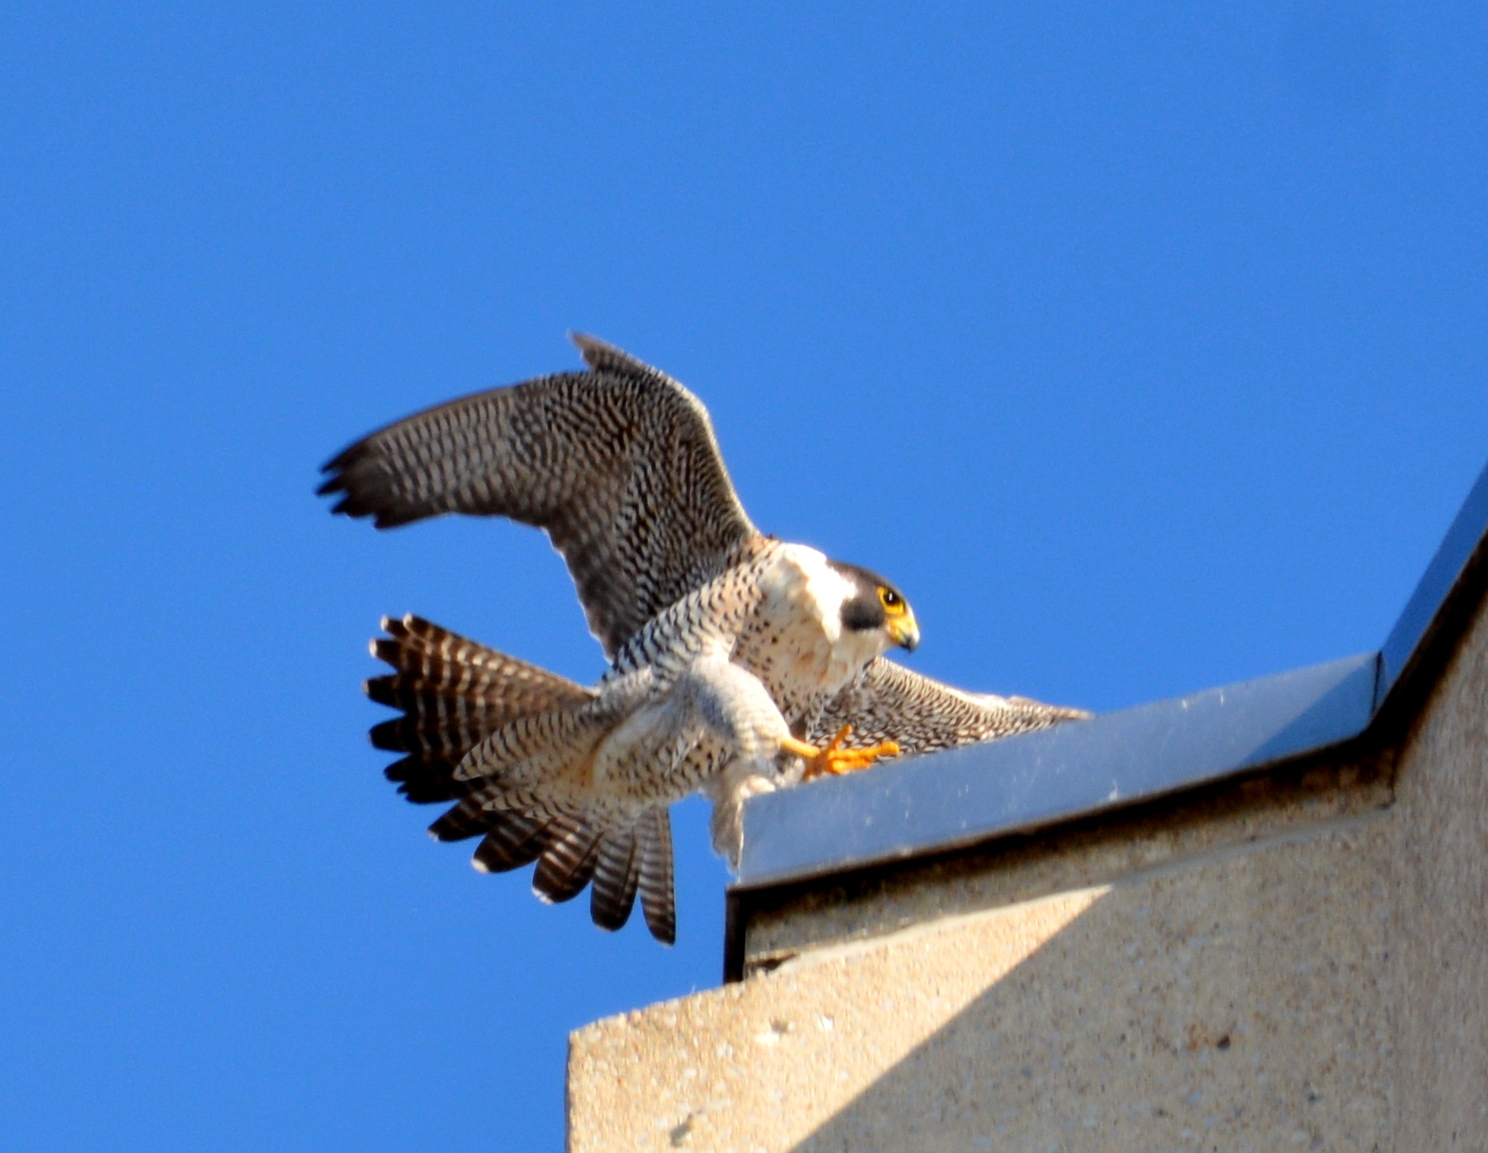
(618, 465)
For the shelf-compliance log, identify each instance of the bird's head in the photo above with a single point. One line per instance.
(876, 605)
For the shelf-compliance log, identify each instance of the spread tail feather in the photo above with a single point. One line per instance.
(454, 694)
(617, 871)
(567, 862)
(658, 899)
(511, 841)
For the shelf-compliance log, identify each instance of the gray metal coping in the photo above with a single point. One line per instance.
(947, 800)
(1461, 553)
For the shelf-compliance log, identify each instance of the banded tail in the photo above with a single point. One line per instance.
(453, 694)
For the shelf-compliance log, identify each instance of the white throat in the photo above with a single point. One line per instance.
(802, 586)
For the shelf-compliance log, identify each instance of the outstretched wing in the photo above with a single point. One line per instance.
(888, 702)
(618, 465)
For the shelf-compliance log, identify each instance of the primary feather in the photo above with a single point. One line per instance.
(618, 465)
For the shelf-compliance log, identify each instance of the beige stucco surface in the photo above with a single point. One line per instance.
(1060, 860)
(1304, 973)
(1174, 1009)
(1436, 865)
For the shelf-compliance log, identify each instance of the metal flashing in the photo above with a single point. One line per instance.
(1460, 549)
(963, 796)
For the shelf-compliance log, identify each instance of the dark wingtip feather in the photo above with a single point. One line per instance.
(601, 356)
(357, 498)
(343, 458)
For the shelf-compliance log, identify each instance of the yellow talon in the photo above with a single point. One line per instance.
(833, 758)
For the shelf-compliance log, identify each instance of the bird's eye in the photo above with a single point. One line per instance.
(891, 601)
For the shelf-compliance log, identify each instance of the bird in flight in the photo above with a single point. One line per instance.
(739, 663)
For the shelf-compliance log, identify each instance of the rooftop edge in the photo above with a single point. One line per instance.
(959, 797)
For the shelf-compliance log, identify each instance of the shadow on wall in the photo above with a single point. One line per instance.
(1230, 1004)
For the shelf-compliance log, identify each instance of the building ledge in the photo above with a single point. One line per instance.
(919, 808)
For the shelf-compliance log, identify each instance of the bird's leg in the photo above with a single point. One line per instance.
(833, 758)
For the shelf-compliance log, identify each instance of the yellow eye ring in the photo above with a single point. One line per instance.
(892, 602)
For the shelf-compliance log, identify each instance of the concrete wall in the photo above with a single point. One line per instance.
(1436, 867)
(1296, 962)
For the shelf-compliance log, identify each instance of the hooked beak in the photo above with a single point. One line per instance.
(904, 631)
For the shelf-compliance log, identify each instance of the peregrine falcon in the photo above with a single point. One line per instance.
(738, 663)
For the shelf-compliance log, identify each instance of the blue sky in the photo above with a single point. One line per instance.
(1143, 345)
